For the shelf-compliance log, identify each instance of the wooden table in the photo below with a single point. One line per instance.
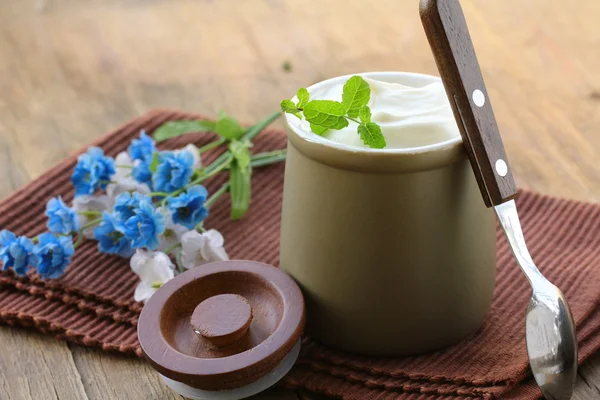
(71, 70)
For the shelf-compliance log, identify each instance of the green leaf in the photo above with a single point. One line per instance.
(319, 130)
(228, 128)
(371, 135)
(154, 163)
(172, 129)
(239, 181)
(364, 114)
(356, 94)
(241, 153)
(326, 113)
(288, 106)
(303, 96)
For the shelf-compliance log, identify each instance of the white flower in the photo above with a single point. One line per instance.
(90, 203)
(123, 166)
(195, 153)
(200, 248)
(127, 184)
(154, 269)
(124, 181)
(173, 232)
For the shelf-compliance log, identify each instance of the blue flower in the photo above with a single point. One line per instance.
(61, 219)
(145, 227)
(110, 240)
(141, 171)
(142, 148)
(93, 171)
(15, 252)
(188, 208)
(52, 254)
(173, 172)
(125, 205)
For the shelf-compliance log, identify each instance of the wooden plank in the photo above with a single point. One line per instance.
(70, 71)
(33, 367)
(588, 382)
(113, 376)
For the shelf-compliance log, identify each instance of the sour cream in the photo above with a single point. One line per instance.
(409, 116)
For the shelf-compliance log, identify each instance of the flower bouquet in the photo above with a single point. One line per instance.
(146, 205)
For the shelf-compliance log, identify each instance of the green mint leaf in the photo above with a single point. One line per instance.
(289, 107)
(326, 113)
(154, 163)
(371, 135)
(319, 130)
(228, 128)
(239, 188)
(173, 129)
(241, 153)
(364, 114)
(302, 95)
(356, 94)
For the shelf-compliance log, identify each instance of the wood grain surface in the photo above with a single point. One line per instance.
(70, 70)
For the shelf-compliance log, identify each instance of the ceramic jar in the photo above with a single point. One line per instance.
(394, 249)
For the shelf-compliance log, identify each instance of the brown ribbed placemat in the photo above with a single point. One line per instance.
(92, 304)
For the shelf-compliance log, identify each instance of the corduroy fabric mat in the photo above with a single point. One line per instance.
(92, 304)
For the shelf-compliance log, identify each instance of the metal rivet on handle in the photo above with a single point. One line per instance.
(478, 98)
(501, 167)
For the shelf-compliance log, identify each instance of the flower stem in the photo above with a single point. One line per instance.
(224, 160)
(90, 213)
(260, 126)
(223, 157)
(211, 145)
(90, 224)
(266, 154)
(178, 260)
(215, 170)
(170, 249)
(79, 240)
(271, 157)
(200, 227)
(224, 188)
(158, 194)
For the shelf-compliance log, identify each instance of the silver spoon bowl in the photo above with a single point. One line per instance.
(550, 330)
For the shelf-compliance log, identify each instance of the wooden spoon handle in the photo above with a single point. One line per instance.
(450, 42)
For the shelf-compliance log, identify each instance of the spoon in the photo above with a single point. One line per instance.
(550, 330)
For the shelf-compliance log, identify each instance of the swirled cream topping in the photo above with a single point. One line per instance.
(408, 116)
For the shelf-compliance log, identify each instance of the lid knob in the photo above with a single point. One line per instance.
(222, 319)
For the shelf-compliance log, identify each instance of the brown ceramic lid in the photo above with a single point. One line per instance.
(222, 325)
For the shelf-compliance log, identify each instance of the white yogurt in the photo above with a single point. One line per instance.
(410, 116)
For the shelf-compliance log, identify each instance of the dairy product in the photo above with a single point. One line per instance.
(409, 116)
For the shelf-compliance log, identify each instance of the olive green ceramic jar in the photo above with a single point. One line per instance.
(394, 248)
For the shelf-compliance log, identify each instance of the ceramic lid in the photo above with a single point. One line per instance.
(222, 325)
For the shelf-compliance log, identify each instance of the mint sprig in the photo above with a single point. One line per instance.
(238, 158)
(323, 115)
(226, 127)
